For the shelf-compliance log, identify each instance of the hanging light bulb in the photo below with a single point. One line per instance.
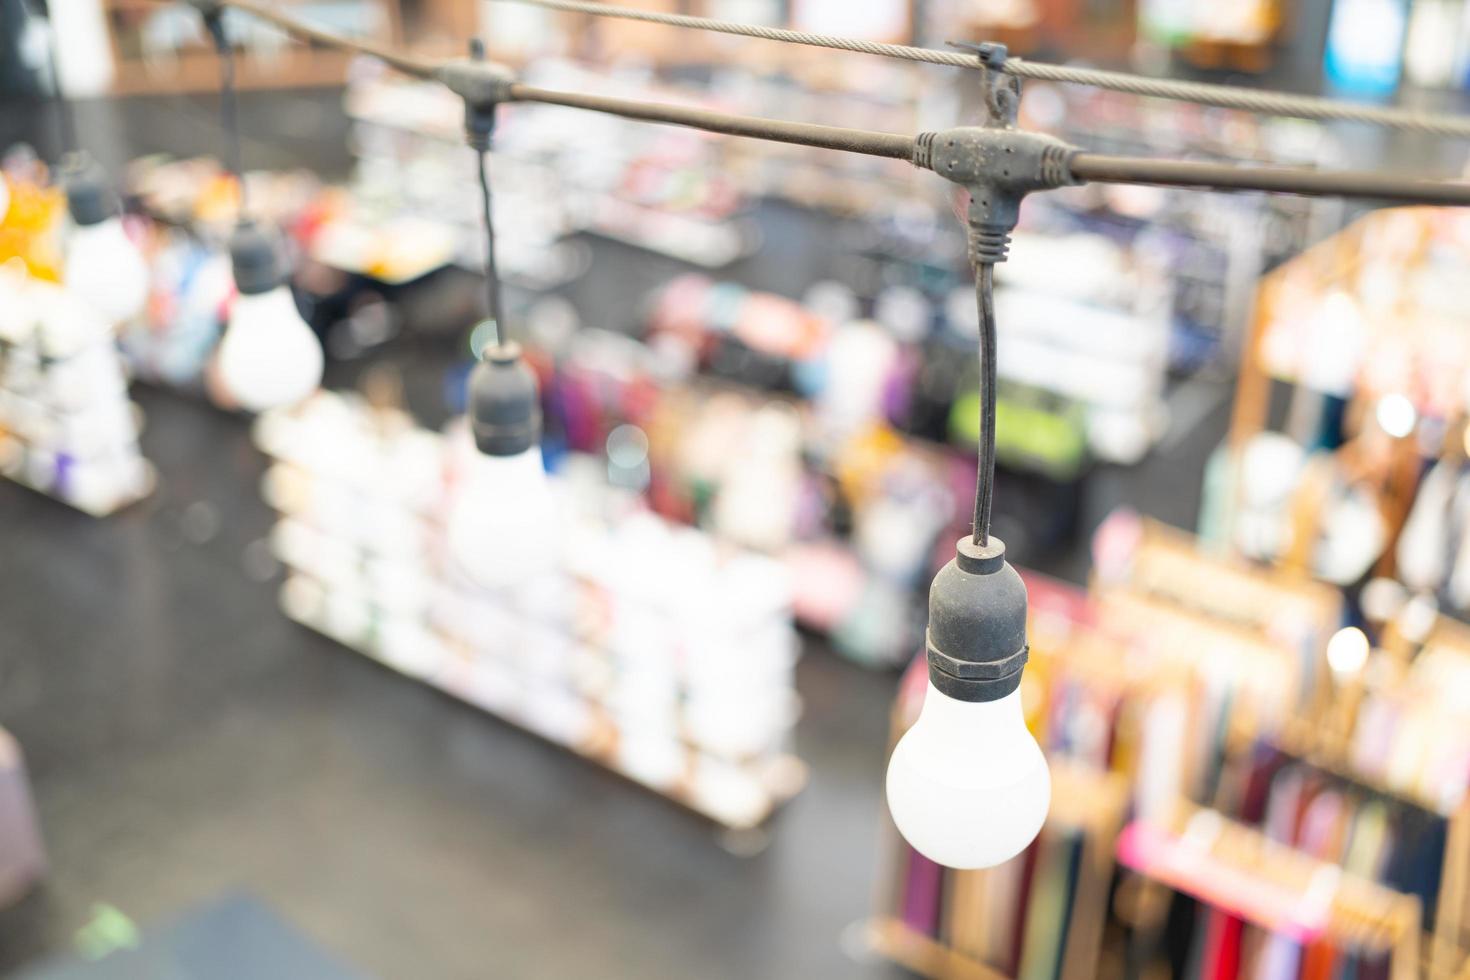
(502, 526)
(968, 786)
(269, 356)
(103, 266)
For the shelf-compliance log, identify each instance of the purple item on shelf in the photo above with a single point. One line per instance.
(921, 893)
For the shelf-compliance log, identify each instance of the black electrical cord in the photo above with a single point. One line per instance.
(985, 478)
(65, 118)
(492, 277)
(229, 108)
(1285, 180)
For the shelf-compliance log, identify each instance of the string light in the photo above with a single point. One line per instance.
(102, 264)
(269, 356)
(968, 785)
(502, 526)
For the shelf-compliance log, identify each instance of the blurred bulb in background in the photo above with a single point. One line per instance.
(499, 529)
(102, 264)
(502, 527)
(269, 355)
(968, 786)
(1347, 651)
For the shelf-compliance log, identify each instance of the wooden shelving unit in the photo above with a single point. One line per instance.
(196, 68)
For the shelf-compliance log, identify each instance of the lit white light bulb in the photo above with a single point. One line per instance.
(102, 265)
(269, 356)
(105, 268)
(1347, 651)
(502, 527)
(968, 786)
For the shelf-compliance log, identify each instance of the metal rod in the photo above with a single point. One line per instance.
(893, 145)
(1284, 180)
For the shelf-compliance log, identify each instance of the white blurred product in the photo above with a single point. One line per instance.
(646, 647)
(968, 786)
(68, 428)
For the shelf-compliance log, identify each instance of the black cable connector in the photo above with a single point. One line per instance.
(976, 641)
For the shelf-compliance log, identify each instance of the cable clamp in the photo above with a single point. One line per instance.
(482, 85)
(998, 167)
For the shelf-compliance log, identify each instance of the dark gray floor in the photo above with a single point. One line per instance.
(185, 739)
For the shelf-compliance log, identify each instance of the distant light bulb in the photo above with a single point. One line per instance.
(269, 357)
(1396, 415)
(968, 786)
(1347, 651)
(105, 268)
(502, 527)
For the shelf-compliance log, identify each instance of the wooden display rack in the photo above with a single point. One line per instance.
(1083, 800)
(1330, 264)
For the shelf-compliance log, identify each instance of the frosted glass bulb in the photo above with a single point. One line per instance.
(105, 268)
(968, 786)
(269, 356)
(502, 528)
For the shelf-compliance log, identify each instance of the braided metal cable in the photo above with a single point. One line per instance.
(1263, 102)
(933, 57)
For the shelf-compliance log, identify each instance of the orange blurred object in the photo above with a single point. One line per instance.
(30, 228)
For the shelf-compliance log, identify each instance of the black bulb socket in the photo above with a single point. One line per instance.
(89, 197)
(254, 260)
(504, 402)
(976, 640)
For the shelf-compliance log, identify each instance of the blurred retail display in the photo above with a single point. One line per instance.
(1357, 481)
(648, 648)
(67, 427)
(163, 47)
(557, 173)
(1250, 760)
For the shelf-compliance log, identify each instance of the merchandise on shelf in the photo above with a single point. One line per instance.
(67, 427)
(556, 172)
(684, 687)
(1360, 481)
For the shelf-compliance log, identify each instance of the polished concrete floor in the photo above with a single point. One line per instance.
(185, 739)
